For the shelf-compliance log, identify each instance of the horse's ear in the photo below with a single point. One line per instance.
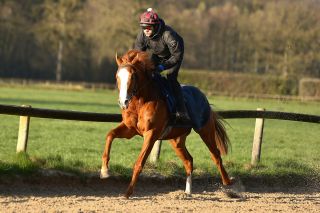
(135, 59)
(118, 59)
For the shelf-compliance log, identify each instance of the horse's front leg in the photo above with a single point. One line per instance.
(121, 131)
(149, 139)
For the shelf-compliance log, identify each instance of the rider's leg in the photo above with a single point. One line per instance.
(182, 113)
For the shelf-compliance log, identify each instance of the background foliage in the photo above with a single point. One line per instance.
(81, 36)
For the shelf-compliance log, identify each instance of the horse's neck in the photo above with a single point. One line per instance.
(149, 92)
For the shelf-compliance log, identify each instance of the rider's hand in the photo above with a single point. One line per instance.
(160, 68)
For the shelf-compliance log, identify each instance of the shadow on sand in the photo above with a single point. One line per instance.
(55, 183)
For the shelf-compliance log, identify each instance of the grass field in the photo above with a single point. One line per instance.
(290, 150)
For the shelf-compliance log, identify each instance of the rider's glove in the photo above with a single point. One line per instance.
(160, 68)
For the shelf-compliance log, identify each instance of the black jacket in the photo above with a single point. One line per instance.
(166, 46)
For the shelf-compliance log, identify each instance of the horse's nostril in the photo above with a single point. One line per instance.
(126, 103)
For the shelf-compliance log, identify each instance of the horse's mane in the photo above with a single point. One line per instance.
(139, 59)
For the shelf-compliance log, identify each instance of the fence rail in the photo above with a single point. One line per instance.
(106, 117)
(269, 115)
(25, 112)
(59, 114)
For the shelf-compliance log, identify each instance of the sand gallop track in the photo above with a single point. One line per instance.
(61, 194)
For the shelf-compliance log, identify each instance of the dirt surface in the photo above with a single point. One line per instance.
(69, 194)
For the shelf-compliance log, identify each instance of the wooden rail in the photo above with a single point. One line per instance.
(25, 112)
(106, 117)
(59, 114)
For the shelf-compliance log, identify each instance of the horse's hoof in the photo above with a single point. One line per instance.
(235, 189)
(187, 192)
(237, 184)
(228, 182)
(128, 193)
(187, 195)
(232, 194)
(104, 173)
(233, 180)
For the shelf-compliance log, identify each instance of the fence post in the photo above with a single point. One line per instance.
(155, 152)
(257, 140)
(23, 132)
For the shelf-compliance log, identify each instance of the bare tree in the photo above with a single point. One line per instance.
(60, 23)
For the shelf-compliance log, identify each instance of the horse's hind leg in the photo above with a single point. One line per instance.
(121, 131)
(179, 147)
(208, 137)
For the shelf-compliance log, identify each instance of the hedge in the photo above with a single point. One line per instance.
(309, 87)
(234, 84)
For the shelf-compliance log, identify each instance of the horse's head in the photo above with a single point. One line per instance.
(134, 69)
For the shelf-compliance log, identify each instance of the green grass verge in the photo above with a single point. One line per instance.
(290, 150)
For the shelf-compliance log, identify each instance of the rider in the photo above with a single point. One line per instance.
(167, 50)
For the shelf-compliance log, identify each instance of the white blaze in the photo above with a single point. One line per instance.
(123, 75)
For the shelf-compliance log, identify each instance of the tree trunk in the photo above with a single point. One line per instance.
(59, 61)
(256, 62)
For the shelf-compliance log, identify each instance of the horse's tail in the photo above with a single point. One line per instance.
(220, 134)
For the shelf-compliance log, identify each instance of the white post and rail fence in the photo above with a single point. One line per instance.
(26, 112)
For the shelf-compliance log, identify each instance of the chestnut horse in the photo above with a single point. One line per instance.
(145, 113)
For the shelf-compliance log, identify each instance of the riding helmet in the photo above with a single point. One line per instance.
(149, 18)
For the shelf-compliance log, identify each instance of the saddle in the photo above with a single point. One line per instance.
(196, 103)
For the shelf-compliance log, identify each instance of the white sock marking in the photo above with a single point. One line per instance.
(189, 184)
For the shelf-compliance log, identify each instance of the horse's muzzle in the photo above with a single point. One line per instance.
(124, 105)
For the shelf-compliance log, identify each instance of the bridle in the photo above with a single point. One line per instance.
(135, 86)
(135, 90)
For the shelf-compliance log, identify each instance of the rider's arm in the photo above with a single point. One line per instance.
(140, 42)
(175, 45)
